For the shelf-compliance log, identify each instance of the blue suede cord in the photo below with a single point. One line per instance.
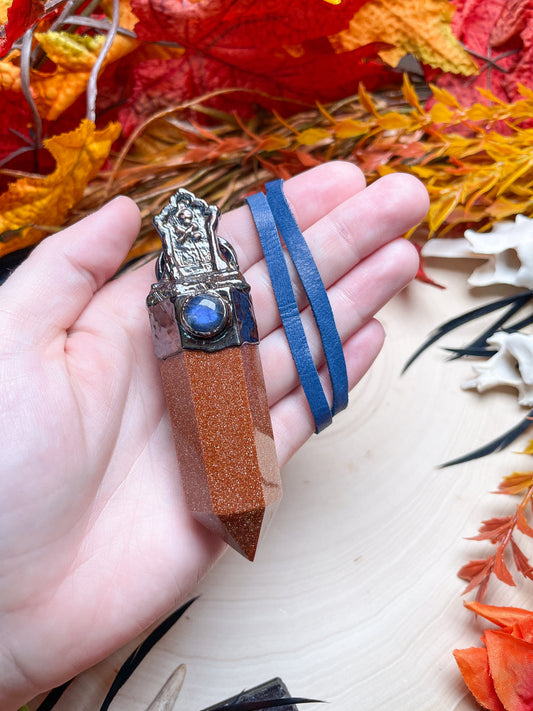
(270, 214)
(288, 309)
(315, 290)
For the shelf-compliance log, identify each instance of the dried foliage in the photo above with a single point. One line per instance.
(420, 27)
(184, 97)
(498, 34)
(501, 531)
(473, 178)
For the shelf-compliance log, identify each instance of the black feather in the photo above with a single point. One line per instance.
(479, 352)
(136, 657)
(522, 298)
(53, 697)
(481, 341)
(497, 444)
(519, 325)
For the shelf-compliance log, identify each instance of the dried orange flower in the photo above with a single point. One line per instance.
(500, 674)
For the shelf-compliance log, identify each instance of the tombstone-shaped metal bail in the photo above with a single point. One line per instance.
(205, 338)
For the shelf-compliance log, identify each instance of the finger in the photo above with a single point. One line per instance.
(47, 293)
(311, 195)
(292, 421)
(355, 299)
(349, 233)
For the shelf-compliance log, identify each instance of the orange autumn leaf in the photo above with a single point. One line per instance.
(501, 616)
(74, 57)
(500, 676)
(473, 664)
(515, 483)
(10, 75)
(33, 201)
(420, 27)
(529, 448)
(522, 524)
(521, 561)
(501, 571)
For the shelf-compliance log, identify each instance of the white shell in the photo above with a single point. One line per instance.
(511, 365)
(509, 248)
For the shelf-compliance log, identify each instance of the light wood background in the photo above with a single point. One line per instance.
(354, 597)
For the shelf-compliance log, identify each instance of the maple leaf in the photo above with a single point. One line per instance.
(74, 57)
(315, 75)
(46, 201)
(266, 48)
(18, 16)
(16, 113)
(420, 27)
(499, 36)
(237, 30)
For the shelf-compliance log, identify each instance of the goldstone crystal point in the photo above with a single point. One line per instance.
(205, 338)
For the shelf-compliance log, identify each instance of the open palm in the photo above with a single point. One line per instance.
(95, 539)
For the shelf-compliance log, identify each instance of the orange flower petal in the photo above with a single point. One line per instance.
(473, 664)
(511, 668)
(501, 616)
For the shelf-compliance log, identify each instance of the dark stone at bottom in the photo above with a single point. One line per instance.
(273, 689)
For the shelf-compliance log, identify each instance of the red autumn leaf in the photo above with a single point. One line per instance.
(21, 16)
(511, 668)
(421, 274)
(500, 37)
(314, 76)
(473, 664)
(263, 46)
(236, 31)
(510, 23)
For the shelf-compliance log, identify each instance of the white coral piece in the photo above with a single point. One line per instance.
(509, 248)
(511, 365)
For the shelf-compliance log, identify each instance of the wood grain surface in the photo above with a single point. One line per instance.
(353, 597)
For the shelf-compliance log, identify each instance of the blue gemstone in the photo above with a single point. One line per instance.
(204, 315)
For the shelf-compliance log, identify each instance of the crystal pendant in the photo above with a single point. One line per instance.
(205, 337)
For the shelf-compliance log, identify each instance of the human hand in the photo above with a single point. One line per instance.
(96, 542)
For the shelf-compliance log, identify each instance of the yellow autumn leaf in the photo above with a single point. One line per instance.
(310, 136)
(80, 52)
(420, 27)
(46, 201)
(9, 75)
(74, 56)
(4, 7)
